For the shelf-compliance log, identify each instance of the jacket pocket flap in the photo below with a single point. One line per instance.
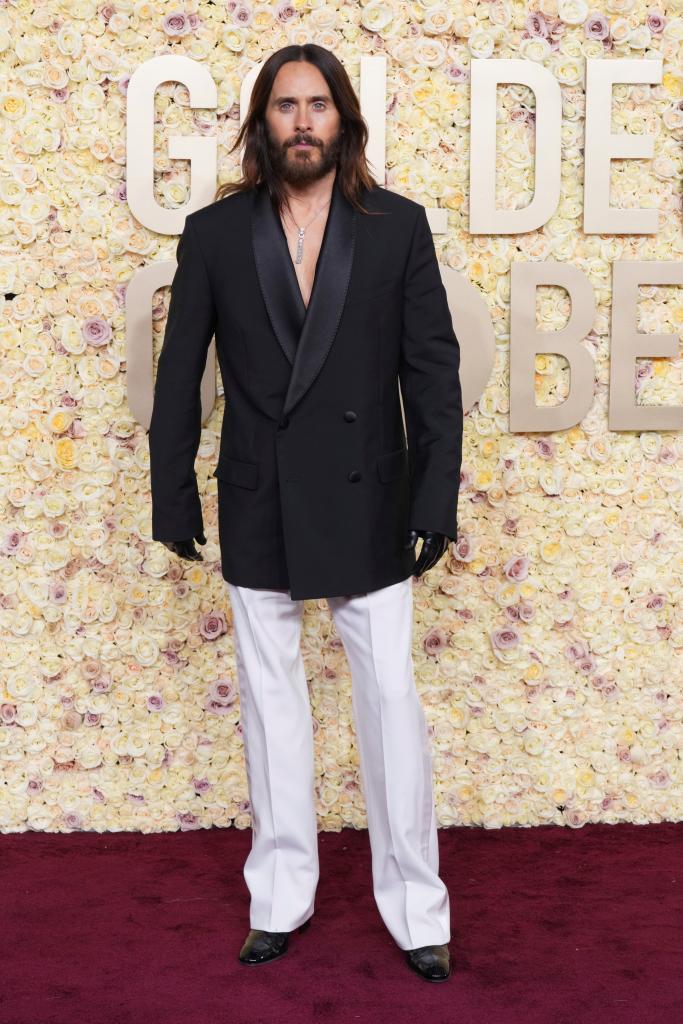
(392, 464)
(234, 471)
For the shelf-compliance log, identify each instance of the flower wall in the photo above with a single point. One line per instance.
(548, 642)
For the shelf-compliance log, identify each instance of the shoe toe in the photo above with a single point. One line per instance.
(260, 946)
(431, 962)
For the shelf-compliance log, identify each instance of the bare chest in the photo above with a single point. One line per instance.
(310, 250)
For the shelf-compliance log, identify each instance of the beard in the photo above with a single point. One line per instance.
(302, 166)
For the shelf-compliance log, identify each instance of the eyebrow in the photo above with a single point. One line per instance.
(292, 99)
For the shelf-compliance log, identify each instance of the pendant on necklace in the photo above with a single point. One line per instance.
(300, 245)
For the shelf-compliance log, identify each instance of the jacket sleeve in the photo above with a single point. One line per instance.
(175, 426)
(429, 376)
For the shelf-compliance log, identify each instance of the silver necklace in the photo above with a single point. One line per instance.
(302, 231)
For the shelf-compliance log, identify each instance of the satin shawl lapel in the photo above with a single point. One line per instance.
(316, 326)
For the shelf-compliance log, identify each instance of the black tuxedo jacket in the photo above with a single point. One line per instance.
(316, 485)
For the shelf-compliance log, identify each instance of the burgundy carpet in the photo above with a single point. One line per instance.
(550, 925)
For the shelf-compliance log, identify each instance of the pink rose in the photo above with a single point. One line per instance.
(517, 568)
(464, 550)
(535, 25)
(188, 821)
(8, 713)
(212, 625)
(656, 21)
(96, 332)
(621, 569)
(285, 11)
(176, 24)
(545, 448)
(504, 638)
(596, 26)
(577, 649)
(435, 641)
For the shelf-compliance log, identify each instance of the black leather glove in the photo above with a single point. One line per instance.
(186, 548)
(433, 547)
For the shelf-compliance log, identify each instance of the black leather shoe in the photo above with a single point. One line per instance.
(430, 962)
(261, 946)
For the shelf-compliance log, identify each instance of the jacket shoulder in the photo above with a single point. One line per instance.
(234, 204)
(394, 202)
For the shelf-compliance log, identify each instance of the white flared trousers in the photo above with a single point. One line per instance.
(281, 870)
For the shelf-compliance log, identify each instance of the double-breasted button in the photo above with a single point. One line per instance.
(284, 422)
(354, 476)
(349, 416)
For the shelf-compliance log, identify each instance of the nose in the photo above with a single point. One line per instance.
(302, 123)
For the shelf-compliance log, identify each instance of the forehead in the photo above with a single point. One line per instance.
(299, 78)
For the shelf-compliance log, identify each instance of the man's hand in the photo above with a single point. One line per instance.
(186, 548)
(433, 547)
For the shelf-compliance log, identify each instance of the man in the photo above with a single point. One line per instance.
(324, 294)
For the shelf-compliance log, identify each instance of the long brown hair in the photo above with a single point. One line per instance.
(352, 175)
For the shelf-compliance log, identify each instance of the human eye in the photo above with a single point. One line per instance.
(287, 103)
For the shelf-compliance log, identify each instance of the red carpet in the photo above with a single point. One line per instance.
(550, 926)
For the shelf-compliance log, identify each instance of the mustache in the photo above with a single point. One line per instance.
(303, 138)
